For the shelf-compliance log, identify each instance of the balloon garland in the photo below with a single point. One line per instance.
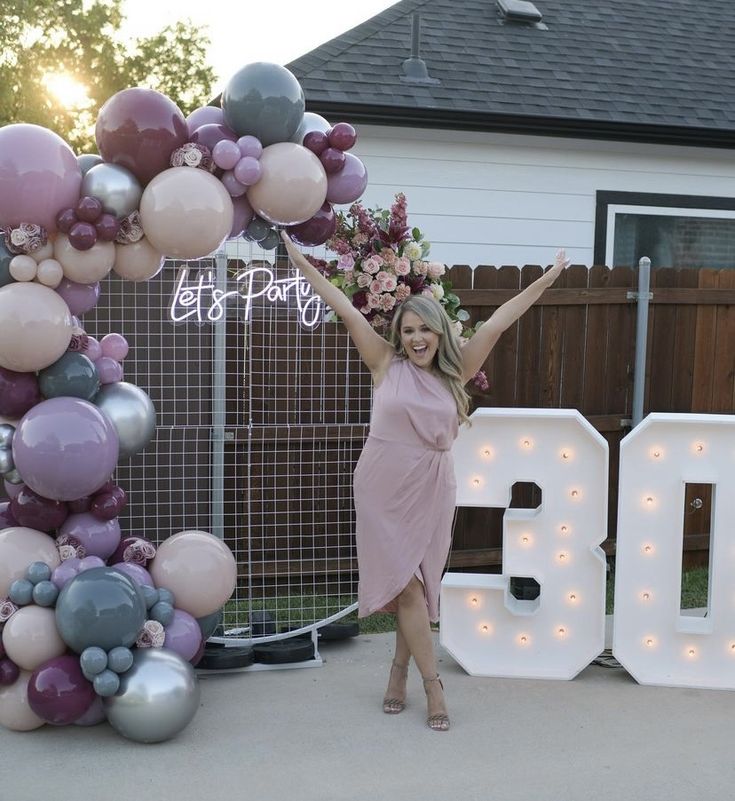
(90, 618)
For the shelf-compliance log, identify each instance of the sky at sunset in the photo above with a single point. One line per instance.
(243, 32)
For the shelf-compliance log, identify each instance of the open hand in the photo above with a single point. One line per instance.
(561, 262)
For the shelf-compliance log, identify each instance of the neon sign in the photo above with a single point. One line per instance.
(198, 299)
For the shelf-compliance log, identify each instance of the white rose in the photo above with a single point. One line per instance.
(412, 251)
(437, 290)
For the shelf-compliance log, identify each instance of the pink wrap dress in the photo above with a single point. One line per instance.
(404, 488)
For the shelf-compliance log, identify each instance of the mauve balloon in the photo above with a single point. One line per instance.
(349, 183)
(80, 298)
(65, 448)
(99, 537)
(9, 672)
(342, 136)
(332, 160)
(39, 176)
(243, 213)
(58, 692)
(183, 635)
(136, 572)
(19, 392)
(34, 511)
(139, 129)
(204, 115)
(212, 134)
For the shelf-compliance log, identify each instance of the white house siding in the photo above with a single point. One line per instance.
(504, 199)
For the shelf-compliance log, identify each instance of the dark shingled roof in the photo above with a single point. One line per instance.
(646, 70)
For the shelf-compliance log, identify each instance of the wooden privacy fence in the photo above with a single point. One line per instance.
(576, 349)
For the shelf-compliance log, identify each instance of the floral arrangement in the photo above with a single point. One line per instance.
(382, 261)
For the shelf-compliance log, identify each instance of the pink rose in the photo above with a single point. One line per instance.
(349, 276)
(345, 262)
(389, 257)
(387, 302)
(436, 269)
(402, 266)
(372, 265)
(402, 291)
(373, 300)
(420, 267)
(387, 281)
(426, 291)
(376, 287)
(363, 279)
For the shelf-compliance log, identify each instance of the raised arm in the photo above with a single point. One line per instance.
(373, 349)
(483, 341)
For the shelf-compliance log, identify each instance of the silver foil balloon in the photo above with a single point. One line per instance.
(132, 413)
(13, 477)
(88, 160)
(158, 697)
(117, 188)
(6, 435)
(311, 122)
(6, 461)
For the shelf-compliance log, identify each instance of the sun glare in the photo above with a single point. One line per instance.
(67, 90)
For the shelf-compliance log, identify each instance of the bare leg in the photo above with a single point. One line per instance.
(413, 621)
(394, 700)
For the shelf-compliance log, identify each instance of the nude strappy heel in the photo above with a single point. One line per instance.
(392, 706)
(440, 721)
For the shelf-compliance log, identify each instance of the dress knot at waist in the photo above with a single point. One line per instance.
(422, 444)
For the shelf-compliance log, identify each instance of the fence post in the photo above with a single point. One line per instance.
(642, 297)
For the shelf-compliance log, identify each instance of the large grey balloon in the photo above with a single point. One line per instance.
(100, 607)
(264, 100)
(132, 413)
(88, 160)
(117, 188)
(157, 698)
(310, 122)
(5, 258)
(210, 623)
(74, 374)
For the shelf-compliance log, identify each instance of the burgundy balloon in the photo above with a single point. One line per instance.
(65, 219)
(107, 227)
(139, 129)
(9, 672)
(58, 692)
(332, 160)
(19, 392)
(208, 135)
(88, 209)
(316, 141)
(34, 511)
(83, 236)
(80, 505)
(109, 504)
(342, 136)
(7, 519)
(2, 649)
(316, 230)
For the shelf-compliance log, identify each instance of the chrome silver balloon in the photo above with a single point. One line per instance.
(132, 413)
(6, 461)
(88, 160)
(6, 435)
(158, 697)
(117, 188)
(13, 477)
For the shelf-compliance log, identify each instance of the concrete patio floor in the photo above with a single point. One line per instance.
(298, 735)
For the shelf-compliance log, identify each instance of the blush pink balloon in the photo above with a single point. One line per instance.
(186, 213)
(30, 637)
(293, 185)
(84, 266)
(115, 346)
(198, 568)
(15, 711)
(39, 176)
(138, 261)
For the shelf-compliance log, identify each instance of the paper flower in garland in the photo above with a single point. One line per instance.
(193, 154)
(27, 238)
(152, 635)
(7, 610)
(131, 229)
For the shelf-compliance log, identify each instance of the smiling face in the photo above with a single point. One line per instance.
(418, 340)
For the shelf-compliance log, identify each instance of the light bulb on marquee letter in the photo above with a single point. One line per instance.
(557, 544)
(686, 651)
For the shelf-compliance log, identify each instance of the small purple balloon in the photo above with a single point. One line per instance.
(248, 170)
(65, 448)
(99, 537)
(316, 230)
(332, 160)
(136, 572)
(226, 154)
(115, 346)
(80, 298)
(232, 185)
(65, 219)
(7, 520)
(208, 135)
(242, 216)
(9, 672)
(250, 146)
(349, 183)
(65, 572)
(204, 115)
(316, 141)
(89, 562)
(109, 504)
(34, 511)
(82, 236)
(183, 635)
(107, 227)
(88, 209)
(94, 715)
(58, 692)
(94, 350)
(342, 136)
(19, 392)
(109, 370)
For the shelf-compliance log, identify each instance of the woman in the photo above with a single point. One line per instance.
(404, 484)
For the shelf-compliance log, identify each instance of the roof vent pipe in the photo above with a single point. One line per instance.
(519, 11)
(414, 68)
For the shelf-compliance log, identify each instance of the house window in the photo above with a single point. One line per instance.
(672, 230)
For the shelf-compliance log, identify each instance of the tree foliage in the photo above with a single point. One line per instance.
(81, 38)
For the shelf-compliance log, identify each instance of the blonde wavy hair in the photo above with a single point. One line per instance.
(448, 355)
